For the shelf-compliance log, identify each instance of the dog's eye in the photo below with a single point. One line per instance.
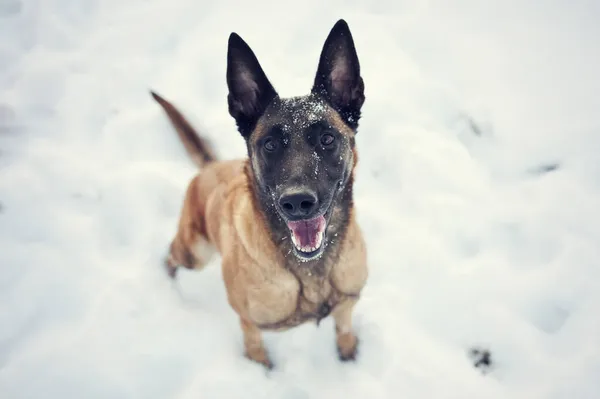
(327, 139)
(270, 145)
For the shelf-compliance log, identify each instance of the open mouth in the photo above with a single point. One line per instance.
(307, 235)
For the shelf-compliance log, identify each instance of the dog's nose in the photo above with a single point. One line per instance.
(298, 204)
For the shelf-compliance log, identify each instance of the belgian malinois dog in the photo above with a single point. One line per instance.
(282, 219)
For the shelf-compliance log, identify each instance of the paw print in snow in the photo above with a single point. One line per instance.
(482, 359)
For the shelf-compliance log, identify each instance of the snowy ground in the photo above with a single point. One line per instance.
(471, 242)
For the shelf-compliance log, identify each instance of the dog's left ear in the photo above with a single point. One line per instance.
(338, 77)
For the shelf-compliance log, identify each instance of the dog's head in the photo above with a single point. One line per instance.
(301, 149)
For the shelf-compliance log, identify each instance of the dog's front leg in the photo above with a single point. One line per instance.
(347, 342)
(253, 344)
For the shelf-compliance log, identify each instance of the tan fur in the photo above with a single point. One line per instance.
(220, 213)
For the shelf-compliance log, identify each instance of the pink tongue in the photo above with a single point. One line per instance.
(306, 232)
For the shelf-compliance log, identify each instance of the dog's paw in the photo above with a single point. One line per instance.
(347, 357)
(260, 356)
(347, 347)
(170, 266)
(268, 365)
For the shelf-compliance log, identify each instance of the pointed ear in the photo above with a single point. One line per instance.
(250, 92)
(338, 77)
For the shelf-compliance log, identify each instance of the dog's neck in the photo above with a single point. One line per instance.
(280, 235)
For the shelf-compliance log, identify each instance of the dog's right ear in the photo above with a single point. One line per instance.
(250, 92)
(338, 76)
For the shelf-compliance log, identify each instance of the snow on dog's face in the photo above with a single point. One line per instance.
(301, 149)
(301, 155)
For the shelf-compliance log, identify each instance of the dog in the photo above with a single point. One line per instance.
(282, 219)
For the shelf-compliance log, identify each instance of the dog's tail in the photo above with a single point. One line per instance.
(198, 148)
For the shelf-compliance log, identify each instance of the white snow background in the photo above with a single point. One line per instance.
(472, 241)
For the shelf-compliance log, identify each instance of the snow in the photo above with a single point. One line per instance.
(472, 242)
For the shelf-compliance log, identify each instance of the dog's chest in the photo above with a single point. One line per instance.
(315, 292)
(293, 299)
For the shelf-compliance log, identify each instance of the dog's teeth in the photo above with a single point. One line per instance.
(308, 248)
(319, 238)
